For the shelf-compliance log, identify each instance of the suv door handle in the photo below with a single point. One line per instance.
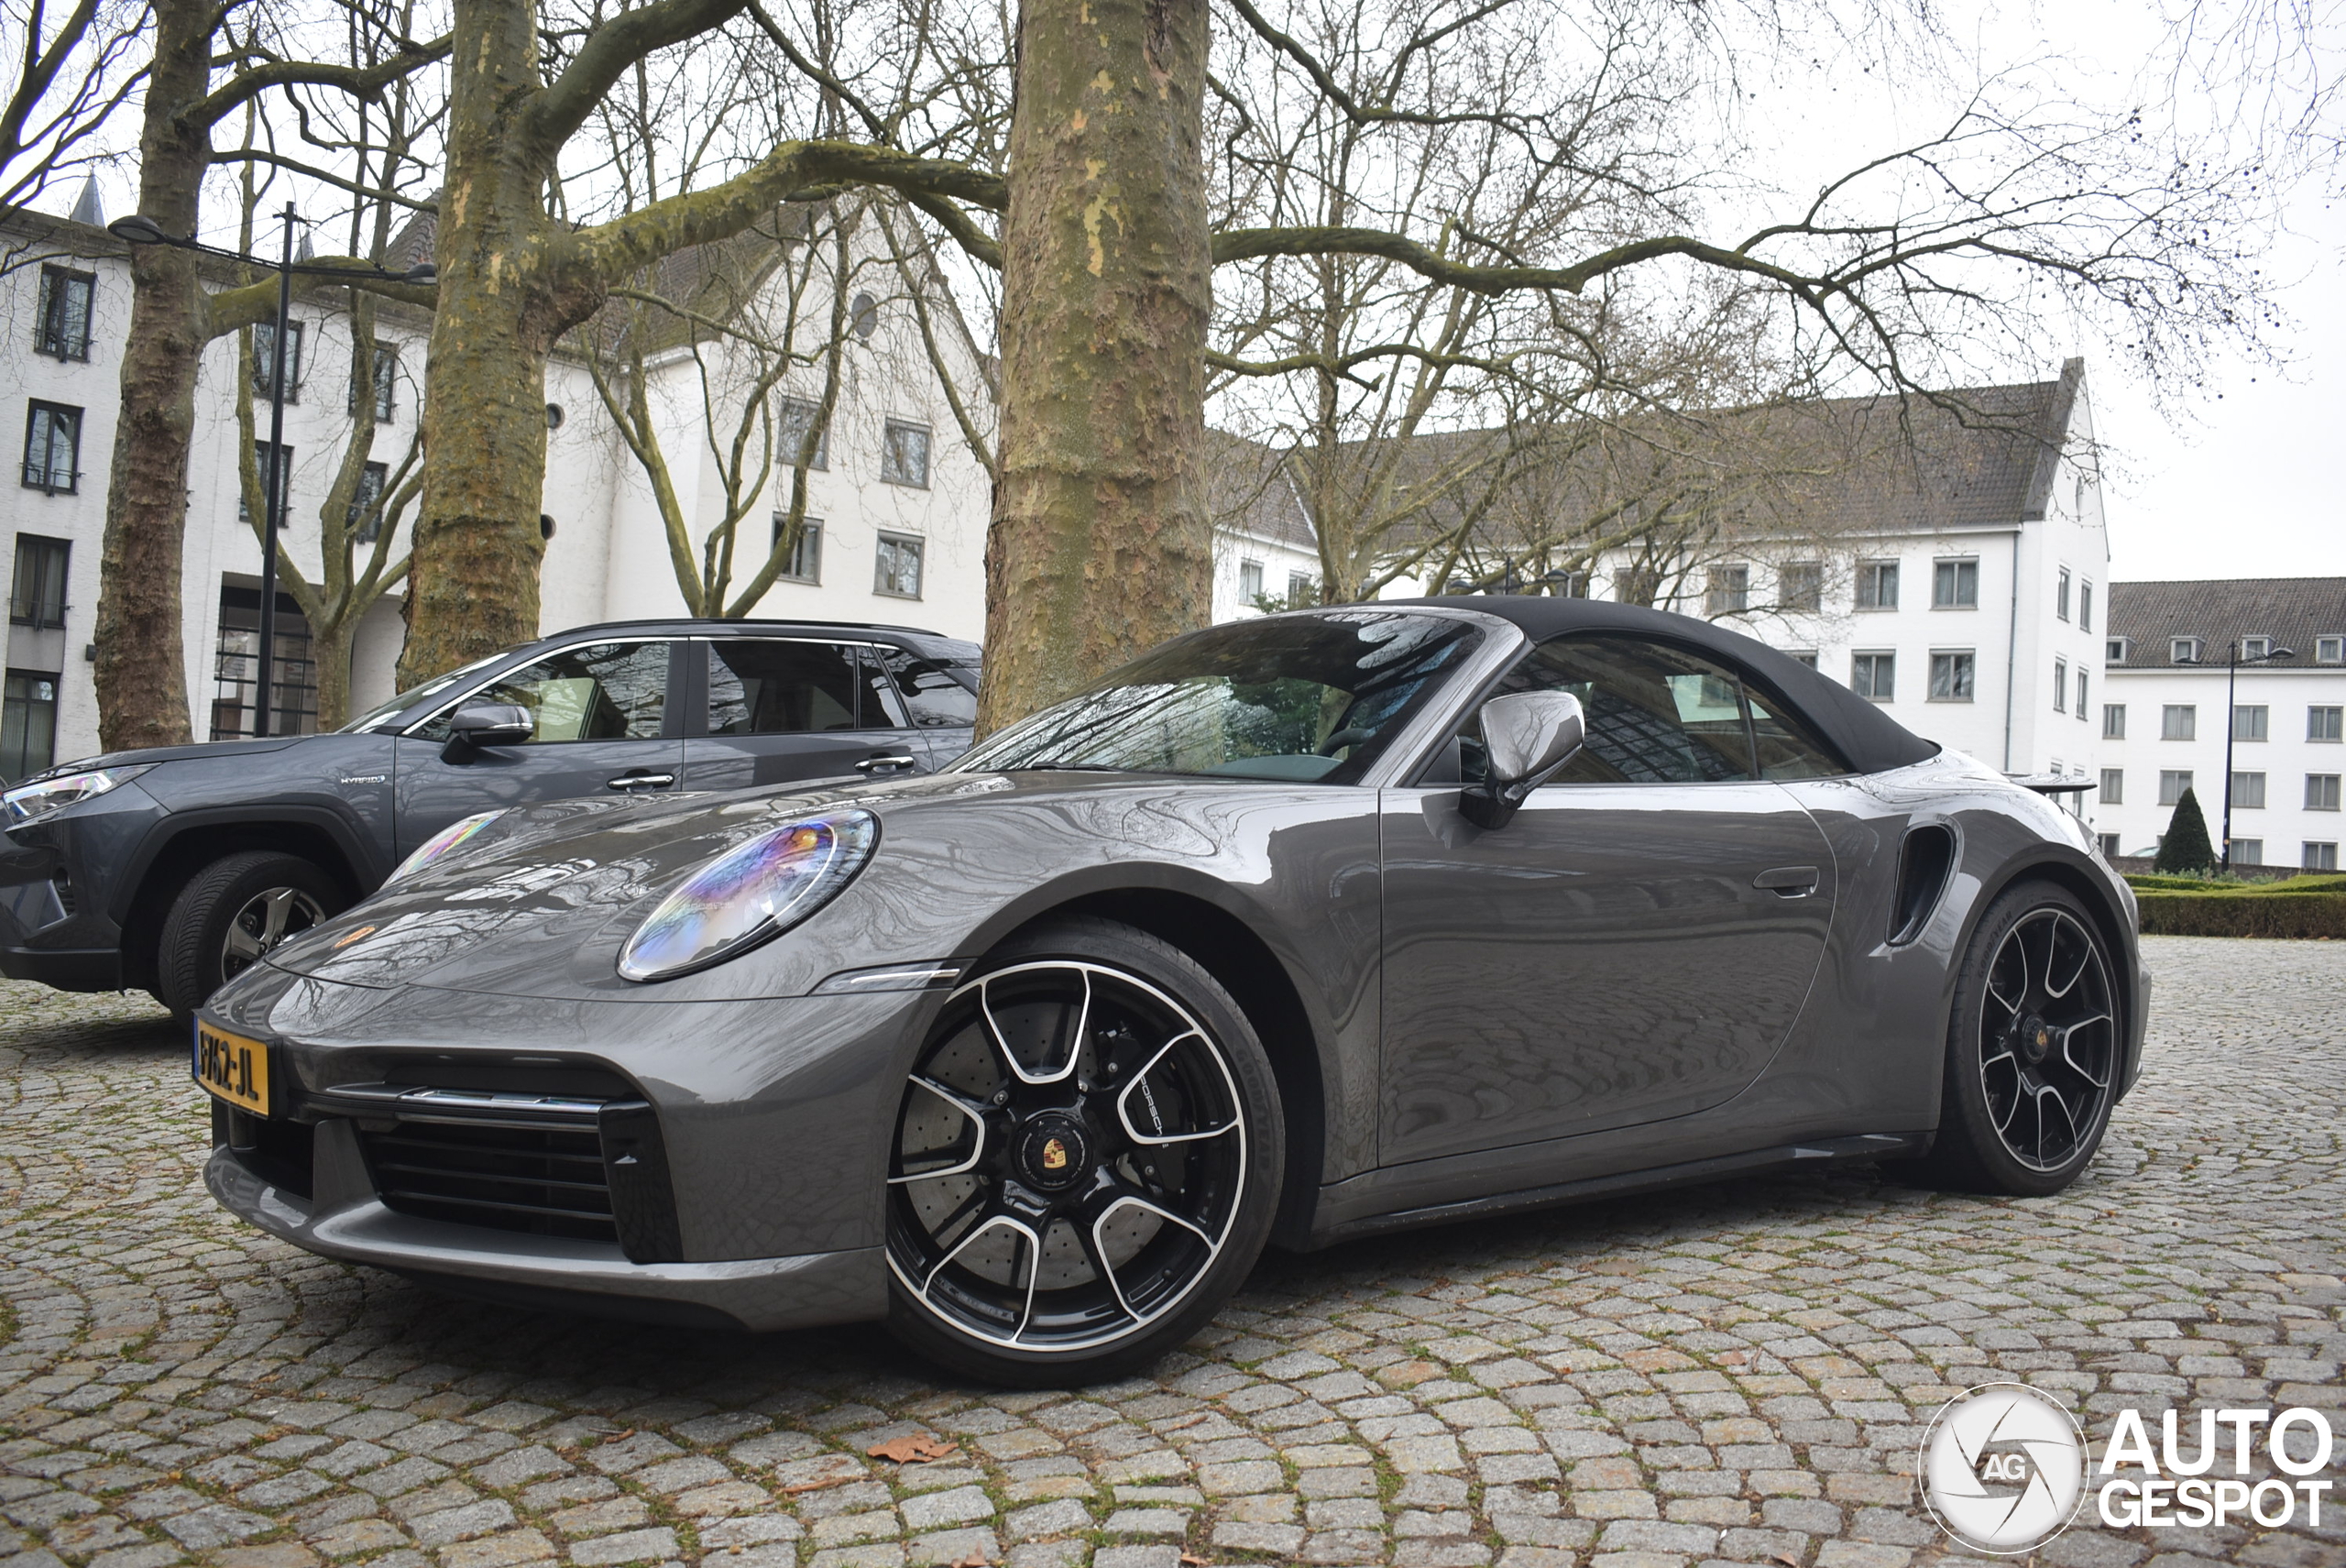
(641, 778)
(897, 759)
(1788, 882)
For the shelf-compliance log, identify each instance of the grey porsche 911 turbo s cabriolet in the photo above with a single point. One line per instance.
(1293, 930)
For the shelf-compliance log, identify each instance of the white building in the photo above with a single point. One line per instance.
(2168, 686)
(902, 504)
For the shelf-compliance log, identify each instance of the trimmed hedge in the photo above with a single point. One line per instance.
(2233, 912)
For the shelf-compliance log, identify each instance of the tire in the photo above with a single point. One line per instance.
(2032, 1072)
(229, 915)
(1046, 1225)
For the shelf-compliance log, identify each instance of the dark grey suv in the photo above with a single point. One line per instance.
(174, 868)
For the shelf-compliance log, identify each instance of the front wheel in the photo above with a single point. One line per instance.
(2033, 1049)
(232, 914)
(1086, 1160)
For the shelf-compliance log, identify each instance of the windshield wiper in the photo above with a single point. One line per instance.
(1051, 765)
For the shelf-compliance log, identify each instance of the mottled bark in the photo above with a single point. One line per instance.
(1102, 543)
(142, 672)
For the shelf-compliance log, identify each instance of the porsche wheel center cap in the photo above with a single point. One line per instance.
(2035, 1041)
(1053, 1152)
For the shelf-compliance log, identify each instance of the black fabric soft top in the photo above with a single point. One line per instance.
(1871, 740)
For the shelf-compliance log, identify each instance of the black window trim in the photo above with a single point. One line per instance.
(64, 354)
(669, 723)
(73, 486)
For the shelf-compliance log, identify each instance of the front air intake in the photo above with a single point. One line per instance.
(1924, 863)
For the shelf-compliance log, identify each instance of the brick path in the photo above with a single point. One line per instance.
(1737, 1373)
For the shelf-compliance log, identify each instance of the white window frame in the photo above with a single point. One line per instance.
(2247, 791)
(2113, 721)
(2166, 776)
(1967, 661)
(2329, 650)
(1949, 568)
(2321, 792)
(2183, 650)
(2325, 717)
(2182, 717)
(2113, 787)
(2251, 722)
(1870, 690)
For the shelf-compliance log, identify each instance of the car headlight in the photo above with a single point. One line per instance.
(753, 891)
(44, 796)
(452, 836)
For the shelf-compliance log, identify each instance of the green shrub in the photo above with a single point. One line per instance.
(2185, 848)
(2275, 910)
(2319, 881)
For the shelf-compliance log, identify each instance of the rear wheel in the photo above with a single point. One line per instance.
(2032, 1048)
(1085, 1162)
(232, 914)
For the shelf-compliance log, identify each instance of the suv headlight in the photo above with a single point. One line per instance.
(453, 836)
(44, 796)
(753, 891)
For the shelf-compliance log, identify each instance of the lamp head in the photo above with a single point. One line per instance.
(420, 274)
(140, 229)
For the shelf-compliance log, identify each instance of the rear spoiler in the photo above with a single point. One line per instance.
(2054, 783)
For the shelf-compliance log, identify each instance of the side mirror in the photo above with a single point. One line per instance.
(479, 724)
(1527, 735)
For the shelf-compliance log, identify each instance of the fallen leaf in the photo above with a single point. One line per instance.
(1787, 1559)
(1192, 1560)
(1732, 1358)
(974, 1559)
(819, 1483)
(914, 1448)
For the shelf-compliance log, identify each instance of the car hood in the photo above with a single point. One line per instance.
(542, 901)
(146, 756)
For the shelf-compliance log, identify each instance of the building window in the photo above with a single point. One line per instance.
(1805, 656)
(2179, 721)
(1250, 581)
(2183, 650)
(52, 444)
(863, 316)
(805, 560)
(1800, 585)
(366, 503)
(898, 567)
(386, 377)
(2113, 721)
(1874, 676)
(2324, 723)
(2113, 787)
(36, 593)
(1638, 585)
(2248, 851)
(794, 419)
(265, 359)
(2321, 792)
(2318, 857)
(28, 725)
(2084, 607)
(64, 324)
(293, 686)
(1728, 592)
(265, 461)
(1877, 585)
(1302, 588)
(2248, 723)
(2108, 842)
(2114, 650)
(2173, 782)
(2248, 792)
(2329, 650)
(1952, 676)
(904, 455)
(1954, 584)
(2081, 695)
(2255, 647)
(2061, 594)
(2060, 685)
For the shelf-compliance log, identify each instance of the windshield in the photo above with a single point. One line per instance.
(1305, 698)
(414, 695)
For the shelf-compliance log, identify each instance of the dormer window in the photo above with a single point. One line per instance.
(2329, 650)
(2256, 647)
(2183, 650)
(2114, 652)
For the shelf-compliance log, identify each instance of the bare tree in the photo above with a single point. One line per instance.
(75, 70)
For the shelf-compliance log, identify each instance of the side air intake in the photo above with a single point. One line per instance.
(1924, 862)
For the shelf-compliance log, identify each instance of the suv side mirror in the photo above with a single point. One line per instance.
(479, 724)
(1527, 735)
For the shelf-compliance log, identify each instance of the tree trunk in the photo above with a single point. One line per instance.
(1101, 544)
(505, 294)
(141, 668)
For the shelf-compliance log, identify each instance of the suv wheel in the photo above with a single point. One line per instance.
(230, 915)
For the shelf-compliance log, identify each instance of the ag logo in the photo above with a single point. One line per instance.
(1053, 1154)
(2003, 1468)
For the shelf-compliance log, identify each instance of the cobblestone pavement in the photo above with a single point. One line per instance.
(1735, 1373)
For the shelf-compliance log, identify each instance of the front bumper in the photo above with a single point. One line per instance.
(717, 1163)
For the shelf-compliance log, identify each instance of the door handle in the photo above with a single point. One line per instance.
(1788, 882)
(640, 779)
(896, 761)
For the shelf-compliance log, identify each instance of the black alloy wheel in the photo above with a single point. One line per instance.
(1084, 1161)
(2035, 1048)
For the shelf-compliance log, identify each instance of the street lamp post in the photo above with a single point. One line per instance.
(2232, 661)
(140, 229)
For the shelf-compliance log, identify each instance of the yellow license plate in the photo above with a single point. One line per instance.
(233, 1067)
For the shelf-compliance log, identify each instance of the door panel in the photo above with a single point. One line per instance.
(780, 710)
(605, 724)
(1604, 959)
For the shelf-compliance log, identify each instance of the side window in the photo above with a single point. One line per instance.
(759, 688)
(601, 691)
(1655, 714)
(938, 701)
(1789, 749)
